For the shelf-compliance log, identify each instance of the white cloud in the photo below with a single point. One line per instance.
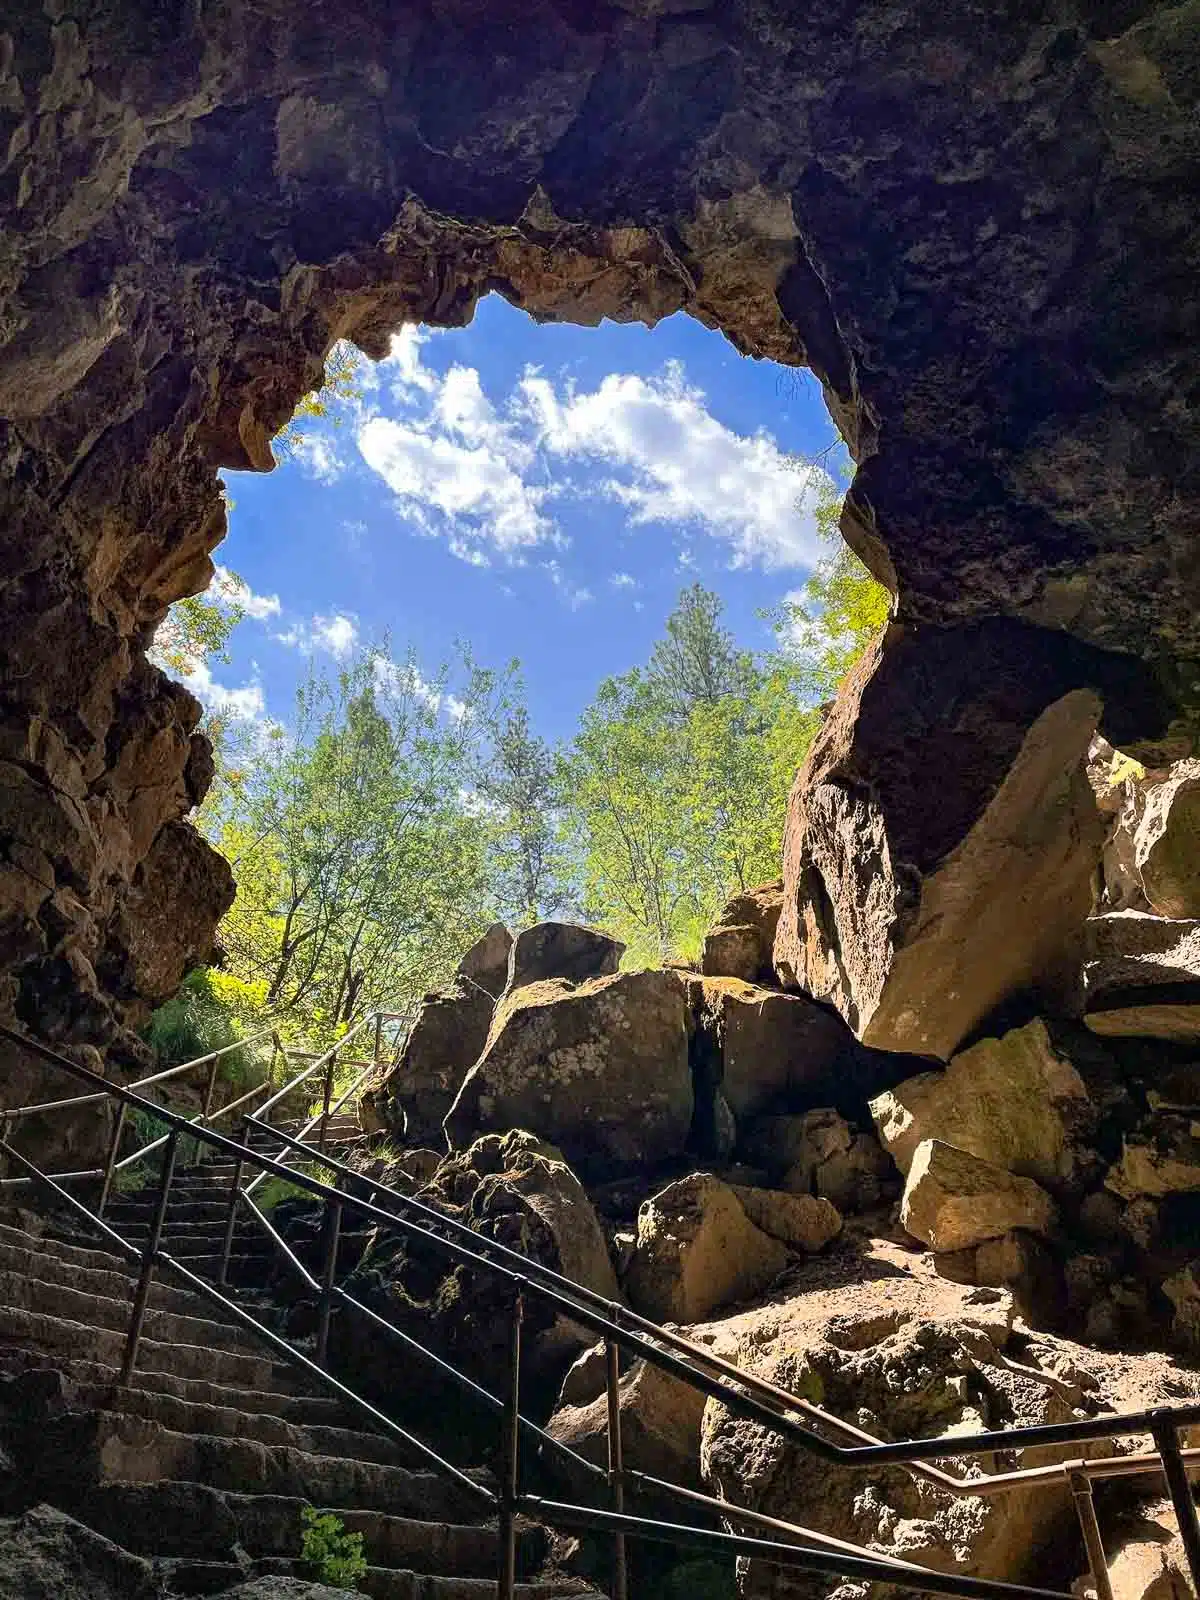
(471, 488)
(484, 474)
(317, 455)
(403, 363)
(228, 586)
(623, 580)
(244, 704)
(406, 678)
(337, 634)
(680, 464)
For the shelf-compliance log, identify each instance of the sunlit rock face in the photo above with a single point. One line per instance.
(979, 231)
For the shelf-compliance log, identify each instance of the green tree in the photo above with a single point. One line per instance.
(362, 867)
(520, 788)
(697, 661)
(196, 629)
(679, 779)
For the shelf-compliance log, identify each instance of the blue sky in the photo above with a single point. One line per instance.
(541, 492)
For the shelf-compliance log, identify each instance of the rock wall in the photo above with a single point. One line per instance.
(978, 227)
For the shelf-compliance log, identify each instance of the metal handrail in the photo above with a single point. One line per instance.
(834, 1558)
(318, 1119)
(613, 1322)
(12, 1112)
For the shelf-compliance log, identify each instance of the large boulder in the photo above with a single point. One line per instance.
(801, 1221)
(561, 950)
(1167, 842)
(513, 1189)
(785, 1052)
(660, 1423)
(1016, 1101)
(942, 838)
(601, 1068)
(955, 1201)
(696, 1250)
(904, 1354)
(445, 1042)
(1141, 977)
(741, 943)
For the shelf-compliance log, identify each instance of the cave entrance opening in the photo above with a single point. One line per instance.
(479, 532)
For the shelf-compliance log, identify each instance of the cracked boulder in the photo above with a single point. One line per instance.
(698, 1249)
(955, 1201)
(1016, 1101)
(600, 1067)
(942, 837)
(561, 950)
(444, 1043)
(741, 942)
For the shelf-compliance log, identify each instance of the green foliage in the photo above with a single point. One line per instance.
(196, 629)
(520, 785)
(335, 1556)
(361, 859)
(210, 1011)
(274, 1191)
(340, 382)
(678, 782)
(841, 608)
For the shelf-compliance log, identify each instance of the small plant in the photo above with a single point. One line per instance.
(335, 1556)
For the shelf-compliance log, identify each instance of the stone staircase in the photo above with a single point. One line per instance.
(206, 1460)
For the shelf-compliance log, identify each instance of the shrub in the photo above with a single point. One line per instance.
(210, 1011)
(335, 1556)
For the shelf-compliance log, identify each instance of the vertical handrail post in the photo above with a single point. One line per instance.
(1166, 1441)
(333, 1231)
(510, 1456)
(329, 1072)
(378, 1036)
(616, 1466)
(141, 1294)
(4, 1121)
(235, 1189)
(276, 1051)
(110, 1160)
(1085, 1510)
(210, 1090)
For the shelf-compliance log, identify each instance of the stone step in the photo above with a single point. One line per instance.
(83, 1342)
(196, 1520)
(104, 1311)
(385, 1583)
(33, 1261)
(184, 1229)
(137, 1450)
(230, 1422)
(306, 1409)
(182, 1208)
